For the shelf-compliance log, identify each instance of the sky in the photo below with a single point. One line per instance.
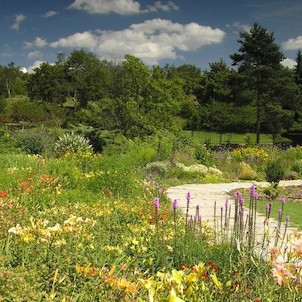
(176, 32)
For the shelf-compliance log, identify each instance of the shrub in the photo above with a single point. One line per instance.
(291, 175)
(72, 143)
(203, 155)
(158, 168)
(274, 172)
(297, 166)
(33, 141)
(247, 172)
(250, 155)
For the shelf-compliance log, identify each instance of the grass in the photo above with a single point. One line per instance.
(292, 208)
(215, 138)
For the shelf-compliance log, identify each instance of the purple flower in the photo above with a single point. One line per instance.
(280, 213)
(197, 207)
(287, 219)
(253, 192)
(156, 203)
(241, 199)
(283, 200)
(226, 203)
(188, 196)
(175, 204)
(199, 218)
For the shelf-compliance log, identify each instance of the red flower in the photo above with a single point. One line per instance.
(3, 194)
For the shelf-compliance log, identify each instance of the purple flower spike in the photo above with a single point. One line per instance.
(241, 199)
(188, 196)
(199, 218)
(175, 204)
(197, 207)
(280, 213)
(226, 203)
(283, 200)
(191, 220)
(156, 203)
(267, 208)
(256, 195)
(287, 219)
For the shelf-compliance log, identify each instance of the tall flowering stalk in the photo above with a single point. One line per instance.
(280, 213)
(285, 229)
(188, 206)
(175, 206)
(252, 216)
(156, 208)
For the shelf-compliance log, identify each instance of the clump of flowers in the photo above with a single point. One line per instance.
(287, 262)
(41, 232)
(250, 155)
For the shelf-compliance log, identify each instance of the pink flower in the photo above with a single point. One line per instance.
(156, 203)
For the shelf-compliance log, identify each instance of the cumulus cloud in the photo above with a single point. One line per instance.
(18, 20)
(38, 42)
(152, 40)
(36, 64)
(159, 6)
(290, 63)
(34, 54)
(292, 44)
(49, 14)
(121, 7)
(238, 27)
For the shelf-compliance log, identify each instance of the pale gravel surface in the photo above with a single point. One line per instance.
(205, 195)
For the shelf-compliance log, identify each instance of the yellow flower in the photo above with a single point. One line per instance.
(173, 297)
(177, 276)
(192, 278)
(216, 281)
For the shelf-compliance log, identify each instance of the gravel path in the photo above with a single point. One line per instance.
(205, 195)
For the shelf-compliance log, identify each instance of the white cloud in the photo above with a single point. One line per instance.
(38, 42)
(34, 54)
(290, 63)
(18, 20)
(122, 7)
(238, 27)
(292, 44)
(49, 14)
(36, 64)
(85, 39)
(158, 6)
(152, 40)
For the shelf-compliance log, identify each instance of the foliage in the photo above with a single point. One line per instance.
(250, 155)
(85, 226)
(274, 172)
(73, 143)
(247, 172)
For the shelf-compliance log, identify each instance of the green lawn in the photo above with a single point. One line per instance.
(215, 138)
(291, 208)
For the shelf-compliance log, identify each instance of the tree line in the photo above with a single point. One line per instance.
(257, 94)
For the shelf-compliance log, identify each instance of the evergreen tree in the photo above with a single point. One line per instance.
(258, 61)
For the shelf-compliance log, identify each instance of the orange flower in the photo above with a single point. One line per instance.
(131, 289)
(3, 194)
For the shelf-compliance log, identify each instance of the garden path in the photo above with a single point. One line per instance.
(205, 195)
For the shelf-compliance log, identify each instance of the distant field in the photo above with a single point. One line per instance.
(215, 138)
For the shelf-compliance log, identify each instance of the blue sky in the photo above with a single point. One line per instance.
(159, 32)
